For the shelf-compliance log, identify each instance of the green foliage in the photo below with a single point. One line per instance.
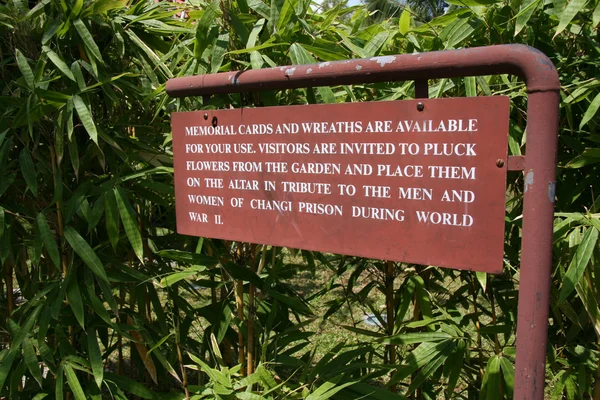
(110, 296)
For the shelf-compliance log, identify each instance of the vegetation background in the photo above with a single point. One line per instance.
(101, 299)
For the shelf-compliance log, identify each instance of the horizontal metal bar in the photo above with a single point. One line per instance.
(524, 61)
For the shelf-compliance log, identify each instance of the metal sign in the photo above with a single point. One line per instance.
(414, 181)
(538, 165)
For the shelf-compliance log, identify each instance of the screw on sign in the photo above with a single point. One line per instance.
(362, 172)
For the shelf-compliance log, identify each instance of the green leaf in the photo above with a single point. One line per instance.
(88, 40)
(258, 26)
(25, 69)
(482, 279)
(260, 7)
(491, 380)
(188, 257)
(59, 62)
(568, 14)
(404, 24)
(525, 13)
(218, 52)
(472, 3)
(591, 111)
(74, 297)
(28, 170)
(48, 239)
(1, 220)
(508, 373)
(203, 28)
(86, 117)
(285, 15)
(87, 254)
(104, 6)
(455, 361)
(175, 277)
(374, 45)
(295, 303)
(95, 356)
(60, 383)
(243, 273)
(74, 383)
(130, 224)
(111, 212)
(416, 337)
(579, 263)
(596, 16)
(470, 86)
(15, 345)
(32, 361)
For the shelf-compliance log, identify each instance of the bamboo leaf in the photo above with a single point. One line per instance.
(60, 383)
(74, 297)
(591, 111)
(579, 263)
(404, 24)
(32, 361)
(1, 220)
(86, 117)
(491, 380)
(48, 239)
(416, 337)
(130, 223)
(472, 3)
(175, 277)
(508, 373)
(525, 13)
(456, 360)
(218, 52)
(74, 383)
(131, 386)
(88, 40)
(59, 62)
(256, 29)
(568, 14)
(15, 345)
(25, 69)
(95, 356)
(203, 28)
(87, 254)
(28, 170)
(188, 257)
(111, 212)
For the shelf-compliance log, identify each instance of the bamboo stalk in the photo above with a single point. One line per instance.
(477, 326)
(390, 308)
(496, 343)
(120, 367)
(239, 303)
(180, 356)
(597, 381)
(10, 296)
(251, 312)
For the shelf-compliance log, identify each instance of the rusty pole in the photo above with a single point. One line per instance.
(539, 165)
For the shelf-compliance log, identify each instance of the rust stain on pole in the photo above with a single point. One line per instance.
(543, 87)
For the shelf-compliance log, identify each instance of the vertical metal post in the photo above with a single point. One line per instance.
(421, 89)
(536, 248)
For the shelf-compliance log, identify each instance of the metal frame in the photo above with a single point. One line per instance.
(538, 165)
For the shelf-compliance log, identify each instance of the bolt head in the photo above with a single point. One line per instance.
(420, 106)
(500, 163)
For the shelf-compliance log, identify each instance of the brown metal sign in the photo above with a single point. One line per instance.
(414, 181)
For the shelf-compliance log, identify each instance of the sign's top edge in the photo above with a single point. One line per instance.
(501, 98)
